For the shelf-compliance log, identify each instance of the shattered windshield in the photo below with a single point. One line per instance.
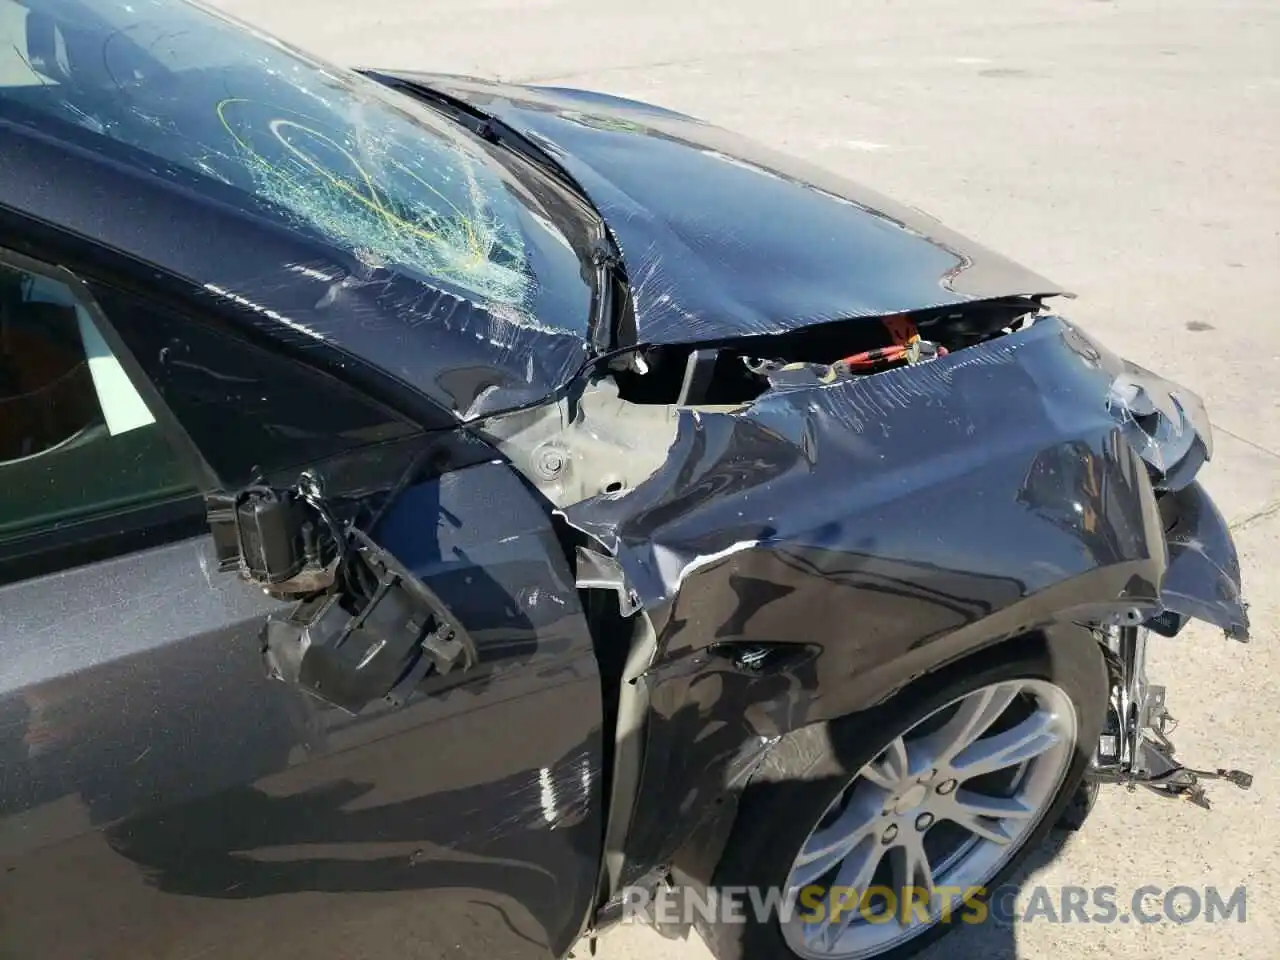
(185, 93)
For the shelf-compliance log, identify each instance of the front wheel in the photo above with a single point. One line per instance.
(875, 826)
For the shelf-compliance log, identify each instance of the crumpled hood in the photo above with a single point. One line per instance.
(723, 238)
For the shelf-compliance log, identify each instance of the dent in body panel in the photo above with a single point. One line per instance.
(697, 486)
(856, 533)
(717, 232)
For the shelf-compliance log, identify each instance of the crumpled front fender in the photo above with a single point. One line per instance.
(1202, 579)
(805, 555)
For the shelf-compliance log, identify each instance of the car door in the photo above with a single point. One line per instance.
(162, 795)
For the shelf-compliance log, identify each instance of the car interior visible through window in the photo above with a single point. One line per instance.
(76, 439)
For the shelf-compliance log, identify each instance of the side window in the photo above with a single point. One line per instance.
(247, 407)
(34, 53)
(77, 441)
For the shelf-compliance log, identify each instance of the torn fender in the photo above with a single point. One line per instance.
(972, 482)
(886, 526)
(1018, 464)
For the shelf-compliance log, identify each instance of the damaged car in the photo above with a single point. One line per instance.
(435, 510)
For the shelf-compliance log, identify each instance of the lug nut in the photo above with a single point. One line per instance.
(891, 834)
(946, 786)
(924, 821)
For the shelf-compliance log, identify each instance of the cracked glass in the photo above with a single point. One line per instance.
(176, 90)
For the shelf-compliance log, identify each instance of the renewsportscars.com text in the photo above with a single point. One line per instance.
(974, 905)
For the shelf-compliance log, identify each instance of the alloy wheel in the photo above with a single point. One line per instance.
(935, 814)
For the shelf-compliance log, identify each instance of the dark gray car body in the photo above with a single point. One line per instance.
(162, 797)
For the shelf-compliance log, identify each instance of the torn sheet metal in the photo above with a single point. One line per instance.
(862, 478)
(873, 467)
(882, 526)
(722, 237)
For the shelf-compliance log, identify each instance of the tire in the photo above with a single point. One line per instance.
(810, 769)
(1078, 807)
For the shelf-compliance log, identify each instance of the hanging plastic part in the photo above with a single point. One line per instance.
(286, 540)
(376, 637)
(366, 629)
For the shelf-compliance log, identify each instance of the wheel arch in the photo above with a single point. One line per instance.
(716, 708)
(696, 859)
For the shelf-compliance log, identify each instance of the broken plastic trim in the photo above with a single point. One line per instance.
(400, 633)
(283, 539)
(366, 627)
(1165, 423)
(1202, 580)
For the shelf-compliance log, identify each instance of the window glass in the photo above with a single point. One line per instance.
(76, 439)
(248, 409)
(371, 171)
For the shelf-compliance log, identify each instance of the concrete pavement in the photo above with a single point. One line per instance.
(1127, 149)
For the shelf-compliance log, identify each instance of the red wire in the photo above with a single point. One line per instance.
(880, 355)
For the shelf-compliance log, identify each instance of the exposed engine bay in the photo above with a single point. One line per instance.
(674, 460)
(618, 429)
(745, 368)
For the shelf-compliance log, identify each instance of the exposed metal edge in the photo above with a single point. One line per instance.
(633, 707)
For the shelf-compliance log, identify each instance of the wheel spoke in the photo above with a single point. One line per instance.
(979, 805)
(985, 816)
(846, 893)
(1022, 742)
(911, 872)
(972, 719)
(992, 830)
(891, 767)
(831, 844)
(857, 871)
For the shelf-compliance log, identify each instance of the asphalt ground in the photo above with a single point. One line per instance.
(1128, 150)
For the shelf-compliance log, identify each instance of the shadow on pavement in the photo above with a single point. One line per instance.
(996, 939)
